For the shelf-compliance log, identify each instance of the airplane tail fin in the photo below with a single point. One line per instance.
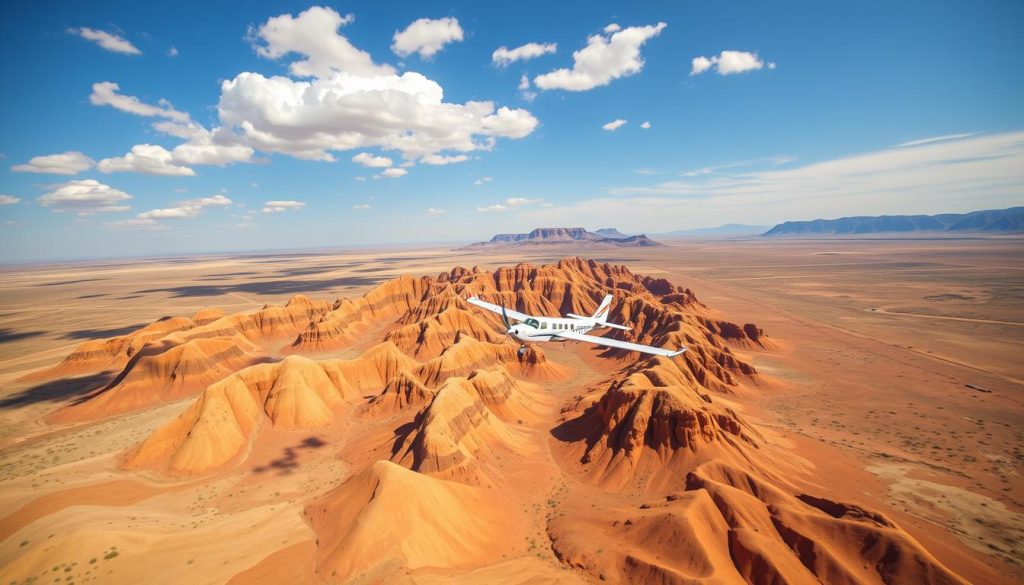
(601, 316)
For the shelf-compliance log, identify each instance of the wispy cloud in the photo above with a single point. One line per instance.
(748, 164)
(957, 174)
(921, 141)
(108, 41)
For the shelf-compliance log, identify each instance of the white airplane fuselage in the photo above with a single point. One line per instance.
(541, 328)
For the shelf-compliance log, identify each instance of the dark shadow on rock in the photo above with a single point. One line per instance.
(57, 390)
(272, 287)
(9, 335)
(102, 333)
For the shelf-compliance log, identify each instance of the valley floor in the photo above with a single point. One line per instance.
(894, 371)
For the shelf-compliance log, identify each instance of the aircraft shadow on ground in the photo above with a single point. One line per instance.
(289, 462)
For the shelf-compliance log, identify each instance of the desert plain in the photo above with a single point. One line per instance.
(850, 411)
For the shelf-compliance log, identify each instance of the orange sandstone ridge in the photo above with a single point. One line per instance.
(456, 415)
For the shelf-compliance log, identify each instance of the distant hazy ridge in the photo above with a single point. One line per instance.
(997, 220)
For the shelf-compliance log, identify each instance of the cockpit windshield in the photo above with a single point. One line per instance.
(532, 323)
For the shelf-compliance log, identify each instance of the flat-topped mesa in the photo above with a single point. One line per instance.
(568, 235)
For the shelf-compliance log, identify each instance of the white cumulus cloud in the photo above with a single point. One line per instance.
(361, 206)
(403, 113)
(646, 125)
(106, 93)
(502, 56)
(394, 173)
(314, 35)
(497, 207)
(728, 63)
(351, 103)
(189, 208)
(439, 159)
(426, 36)
(368, 160)
(614, 125)
(109, 41)
(9, 199)
(85, 197)
(517, 201)
(67, 163)
(607, 56)
(434, 211)
(148, 159)
(282, 206)
(202, 147)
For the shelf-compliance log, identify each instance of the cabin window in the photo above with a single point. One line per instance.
(543, 325)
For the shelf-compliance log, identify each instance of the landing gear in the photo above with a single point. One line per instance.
(522, 350)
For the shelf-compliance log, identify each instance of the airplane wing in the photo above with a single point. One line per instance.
(607, 342)
(512, 314)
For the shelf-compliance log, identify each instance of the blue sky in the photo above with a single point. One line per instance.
(134, 129)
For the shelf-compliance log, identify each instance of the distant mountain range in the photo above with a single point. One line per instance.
(995, 220)
(560, 235)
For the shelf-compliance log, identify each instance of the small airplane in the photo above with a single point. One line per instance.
(571, 328)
